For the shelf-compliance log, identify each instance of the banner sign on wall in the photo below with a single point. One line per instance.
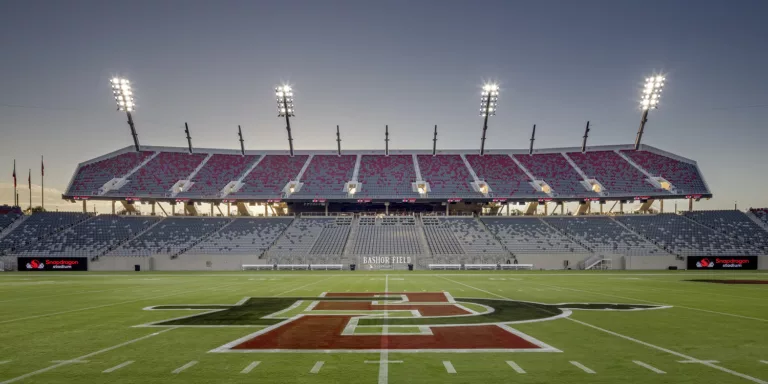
(52, 263)
(718, 262)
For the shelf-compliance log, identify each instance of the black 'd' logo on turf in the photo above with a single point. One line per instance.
(423, 321)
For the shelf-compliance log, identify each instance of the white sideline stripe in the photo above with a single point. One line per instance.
(649, 345)
(764, 361)
(317, 367)
(46, 369)
(5, 362)
(515, 367)
(644, 365)
(250, 367)
(109, 305)
(582, 367)
(449, 367)
(116, 367)
(698, 361)
(183, 367)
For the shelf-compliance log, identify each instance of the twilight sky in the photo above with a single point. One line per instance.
(363, 64)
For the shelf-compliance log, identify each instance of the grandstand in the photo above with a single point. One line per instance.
(386, 210)
(166, 174)
(554, 242)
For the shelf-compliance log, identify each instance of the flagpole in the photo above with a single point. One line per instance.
(30, 190)
(15, 189)
(42, 182)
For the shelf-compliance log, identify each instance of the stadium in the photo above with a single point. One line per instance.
(430, 247)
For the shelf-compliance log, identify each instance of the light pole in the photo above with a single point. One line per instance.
(121, 89)
(284, 96)
(650, 100)
(490, 95)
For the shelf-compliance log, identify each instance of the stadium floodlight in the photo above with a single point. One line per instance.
(650, 100)
(490, 95)
(123, 93)
(284, 95)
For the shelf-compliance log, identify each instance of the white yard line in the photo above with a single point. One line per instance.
(644, 365)
(5, 362)
(317, 367)
(582, 367)
(516, 367)
(764, 361)
(116, 367)
(384, 355)
(183, 292)
(52, 367)
(250, 367)
(649, 345)
(184, 367)
(449, 367)
(303, 286)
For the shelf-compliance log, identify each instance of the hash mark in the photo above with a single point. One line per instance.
(583, 368)
(317, 367)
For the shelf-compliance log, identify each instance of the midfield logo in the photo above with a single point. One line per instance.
(371, 322)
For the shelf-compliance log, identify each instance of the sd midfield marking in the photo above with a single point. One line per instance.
(441, 322)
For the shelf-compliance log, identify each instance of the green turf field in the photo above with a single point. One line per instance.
(125, 328)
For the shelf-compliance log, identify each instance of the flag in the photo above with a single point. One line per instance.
(42, 167)
(14, 174)
(29, 180)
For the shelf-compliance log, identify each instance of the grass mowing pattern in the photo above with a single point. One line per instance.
(38, 327)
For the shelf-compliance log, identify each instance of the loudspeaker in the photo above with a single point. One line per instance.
(137, 268)
(673, 268)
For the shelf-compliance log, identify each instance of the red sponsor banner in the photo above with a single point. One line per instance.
(318, 200)
(728, 262)
(273, 200)
(455, 200)
(409, 200)
(363, 200)
(52, 263)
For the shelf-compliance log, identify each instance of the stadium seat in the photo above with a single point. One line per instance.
(683, 175)
(90, 238)
(503, 176)
(171, 236)
(555, 170)
(386, 176)
(447, 175)
(270, 176)
(245, 236)
(37, 227)
(90, 177)
(685, 237)
(326, 175)
(617, 176)
(219, 171)
(156, 178)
